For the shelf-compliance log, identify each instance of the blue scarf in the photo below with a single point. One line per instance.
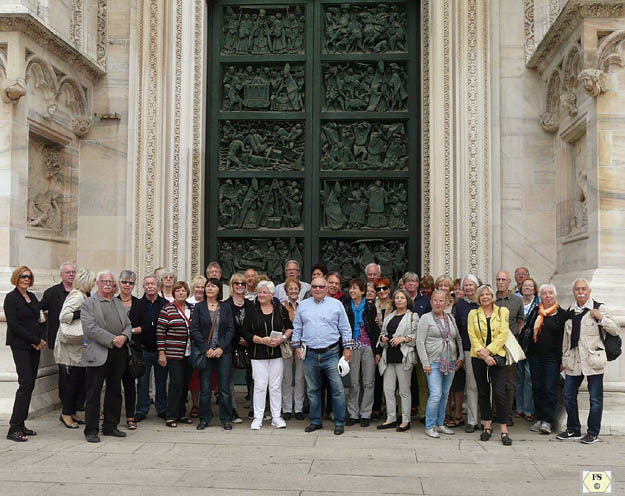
(358, 322)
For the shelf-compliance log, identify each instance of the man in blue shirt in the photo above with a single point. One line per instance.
(320, 322)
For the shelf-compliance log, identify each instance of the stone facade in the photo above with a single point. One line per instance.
(103, 137)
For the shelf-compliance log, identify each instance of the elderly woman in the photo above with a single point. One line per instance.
(212, 328)
(68, 351)
(395, 356)
(173, 341)
(26, 338)
(168, 279)
(292, 288)
(524, 395)
(197, 290)
(370, 294)
(365, 332)
(440, 350)
(265, 328)
(445, 284)
(488, 331)
(383, 302)
(427, 285)
(544, 355)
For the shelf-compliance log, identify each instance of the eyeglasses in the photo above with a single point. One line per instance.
(318, 286)
(238, 283)
(26, 276)
(381, 288)
(108, 282)
(130, 283)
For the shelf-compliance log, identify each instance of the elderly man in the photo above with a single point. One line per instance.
(514, 304)
(320, 323)
(520, 274)
(213, 269)
(106, 328)
(291, 268)
(251, 280)
(373, 272)
(583, 354)
(334, 286)
(52, 302)
(145, 315)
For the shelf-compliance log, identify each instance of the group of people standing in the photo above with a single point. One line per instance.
(427, 341)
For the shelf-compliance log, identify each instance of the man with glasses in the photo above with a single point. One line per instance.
(107, 328)
(320, 323)
(292, 270)
(334, 286)
(52, 303)
(520, 274)
(213, 270)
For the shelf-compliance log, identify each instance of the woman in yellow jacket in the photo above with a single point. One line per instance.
(488, 331)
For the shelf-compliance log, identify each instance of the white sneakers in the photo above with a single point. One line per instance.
(431, 433)
(256, 424)
(278, 423)
(443, 429)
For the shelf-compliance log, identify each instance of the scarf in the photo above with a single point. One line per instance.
(577, 325)
(447, 365)
(358, 322)
(542, 313)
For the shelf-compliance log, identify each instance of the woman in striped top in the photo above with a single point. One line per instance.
(174, 349)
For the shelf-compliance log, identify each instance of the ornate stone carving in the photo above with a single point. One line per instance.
(530, 43)
(76, 23)
(175, 213)
(196, 172)
(568, 100)
(364, 146)
(593, 81)
(261, 145)
(264, 87)
(11, 90)
(550, 119)
(351, 257)
(264, 203)
(352, 28)
(365, 87)
(611, 52)
(554, 10)
(80, 126)
(102, 34)
(579, 220)
(425, 136)
(364, 205)
(266, 256)
(572, 66)
(266, 30)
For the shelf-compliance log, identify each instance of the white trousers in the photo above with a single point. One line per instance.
(267, 373)
(393, 374)
(287, 385)
(471, 391)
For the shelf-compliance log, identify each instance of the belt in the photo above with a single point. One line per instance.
(322, 350)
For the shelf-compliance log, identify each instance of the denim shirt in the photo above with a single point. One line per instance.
(319, 325)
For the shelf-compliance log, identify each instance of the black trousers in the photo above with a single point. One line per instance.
(130, 395)
(74, 384)
(26, 365)
(486, 378)
(378, 391)
(179, 377)
(112, 371)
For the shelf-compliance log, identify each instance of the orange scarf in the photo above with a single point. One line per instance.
(542, 313)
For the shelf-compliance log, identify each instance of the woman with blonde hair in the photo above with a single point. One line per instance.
(68, 350)
(197, 290)
(445, 284)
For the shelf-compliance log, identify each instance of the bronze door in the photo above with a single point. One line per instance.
(313, 133)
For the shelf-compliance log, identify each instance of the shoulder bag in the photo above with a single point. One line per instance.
(499, 360)
(136, 361)
(199, 360)
(71, 333)
(612, 344)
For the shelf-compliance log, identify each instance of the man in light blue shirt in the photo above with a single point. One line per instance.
(320, 322)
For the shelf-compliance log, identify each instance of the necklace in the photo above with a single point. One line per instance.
(125, 301)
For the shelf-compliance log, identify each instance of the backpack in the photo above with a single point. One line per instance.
(612, 344)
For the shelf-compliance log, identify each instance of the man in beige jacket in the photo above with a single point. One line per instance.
(583, 354)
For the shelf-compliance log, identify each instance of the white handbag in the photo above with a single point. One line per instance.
(514, 352)
(71, 333)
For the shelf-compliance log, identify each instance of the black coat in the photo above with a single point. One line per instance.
(52, 301)
(368, 316)
(254, 325)
(201, 326)
(23, 328)
(140, 317)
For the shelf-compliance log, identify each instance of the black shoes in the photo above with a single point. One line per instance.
(287, 416)
(350, 421)
(139, 417)
(115, 433)
(470, 428)
(28, 432)
(364, 422)
(299, 416)
(338, 430)
(201, 426)
(313, 428)
(403, 429)
(227, 426)
(92, 438)
(390, 425)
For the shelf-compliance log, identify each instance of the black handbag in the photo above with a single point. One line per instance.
(199, 360)
(135, 366)
(612, 344)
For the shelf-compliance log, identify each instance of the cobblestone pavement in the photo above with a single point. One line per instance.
(155, 460)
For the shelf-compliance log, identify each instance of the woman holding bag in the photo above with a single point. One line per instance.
(488, 330)
(68, 346)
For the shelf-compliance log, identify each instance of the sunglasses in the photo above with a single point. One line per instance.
(26, 276)
(238, 283)
(381, 288)
(130, 283)
(318, 286)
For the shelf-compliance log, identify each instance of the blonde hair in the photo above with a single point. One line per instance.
(15, 277)
(84, 281)
(236, 277)
(480, 290)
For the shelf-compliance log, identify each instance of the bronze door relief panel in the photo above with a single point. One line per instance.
(313, 136)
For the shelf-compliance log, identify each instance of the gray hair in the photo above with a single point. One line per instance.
(153, 276)
(441, 292)
(470, 277)
(411, 276)
(547, 286)
(168, 272)
(67, 263)
(373, 264)
(290, 262)
(522, 268)
(213, 265)
(104, 273)
(579, 280)
(198, 280)
(266, 284)
(84, 281)
(128, 274)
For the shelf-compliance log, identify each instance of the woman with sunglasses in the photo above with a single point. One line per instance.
(26, 338)
(383, 302)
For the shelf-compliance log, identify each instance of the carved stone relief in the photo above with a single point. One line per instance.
(262, 31)
(11, 90)
(364, 205)
(261, 145)
(264, 87)
(593, 81)
(264, 203)
(48, 198)
(364, 146)
(351, 257)
(550, 119)
(266, 256)
(359, 86)
(365, 29)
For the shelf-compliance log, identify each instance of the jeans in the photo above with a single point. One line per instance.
(222, 364)
(143, 386)
(545, 374)
(438, 385)
(524, 395)
(595, 390)
(179, 377)
(328, 361)
(363, 362)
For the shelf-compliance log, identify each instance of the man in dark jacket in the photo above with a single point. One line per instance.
(145, 315)
(52, 302)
